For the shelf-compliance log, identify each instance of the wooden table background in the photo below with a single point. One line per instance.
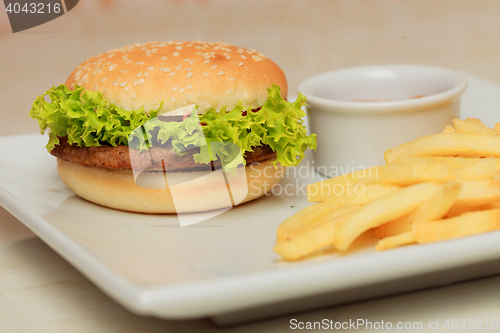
(41, 292)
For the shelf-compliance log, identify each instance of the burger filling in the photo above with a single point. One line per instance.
(155, 159)
(86, 128)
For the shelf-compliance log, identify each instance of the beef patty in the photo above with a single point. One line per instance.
(118, 158)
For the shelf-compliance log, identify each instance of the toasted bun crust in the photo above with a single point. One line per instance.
(180, 73)
(118, 189)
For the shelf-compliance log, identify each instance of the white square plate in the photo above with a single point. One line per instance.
(224, 267)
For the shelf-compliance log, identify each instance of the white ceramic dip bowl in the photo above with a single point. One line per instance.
(358, 113)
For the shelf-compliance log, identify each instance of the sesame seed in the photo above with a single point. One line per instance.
(206, 74)
(199, 52)
(150, 68)
(163, 58)
(175, 88)
(172, 99)
(230, 92)
(119, 79)
(134, 82)
(123, 84)
(182, 90)
(189, 69)
(126, 89)
(141, 81)
(146, 74)
(240, 64)
(176, 54)
(154, 50)
(178, 48)
(124, 57)
(172, 73)
(189, 75)
(139, 74)
(166, 70)
(123, 71)
(189, 87)
(115, 84)
(191, 61)
(213, 67)
(128, 61)
(103, 79)
(228, 57)
(241, 55)
(207, 61)
(95, 86)
(133, 96)
(178, 67)
(233, 79)
(240, 50)
(220, 73)
(111, 67)
(142, 63)
(106, 90)
(199, 94)
(137, 63)
(185, 60)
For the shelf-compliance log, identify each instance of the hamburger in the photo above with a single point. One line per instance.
(182, 111)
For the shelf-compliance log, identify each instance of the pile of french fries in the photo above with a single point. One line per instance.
(435, 188)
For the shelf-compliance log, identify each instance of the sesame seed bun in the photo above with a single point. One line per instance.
(180, 73)
(118, 189)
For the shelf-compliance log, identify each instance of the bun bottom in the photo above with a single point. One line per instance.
(192, 191)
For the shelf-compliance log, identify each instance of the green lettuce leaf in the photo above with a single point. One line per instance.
(89, 119)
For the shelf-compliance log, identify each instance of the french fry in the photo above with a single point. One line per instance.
(475, 121)
(475, 195)
(473, 207)
(315, 214)
(309, 218)
(454, 162)
(300, 221)
(381, 211)
(309, 241)
(406, 238)
(396, 174)
(474, 126)
(467, 224)
(449, 129)
(433, 209)
(483, 168)
(448, 144)
(366, 194)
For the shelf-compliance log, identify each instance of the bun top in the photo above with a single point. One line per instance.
(207, 74)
